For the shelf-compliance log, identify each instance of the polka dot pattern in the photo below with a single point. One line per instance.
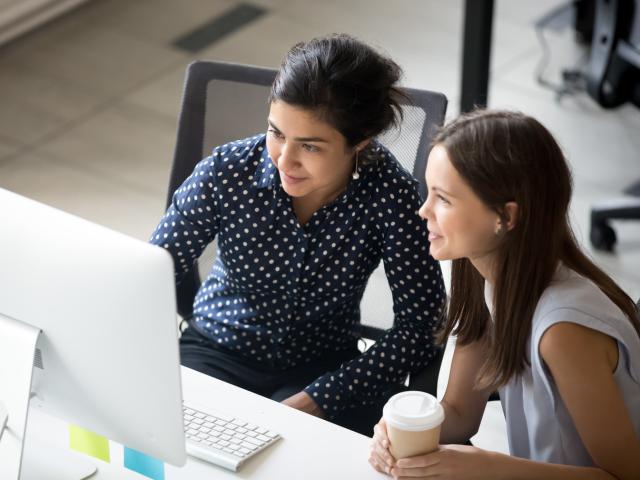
(284, 293)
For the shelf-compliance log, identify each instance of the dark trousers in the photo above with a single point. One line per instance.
(200, 353)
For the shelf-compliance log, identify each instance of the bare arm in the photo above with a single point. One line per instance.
(464, 404)
(582, 362)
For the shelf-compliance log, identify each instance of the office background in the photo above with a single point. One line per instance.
(89, 101)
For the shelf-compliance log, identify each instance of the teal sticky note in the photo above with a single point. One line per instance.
(143, 464)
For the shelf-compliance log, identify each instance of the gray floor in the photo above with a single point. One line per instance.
(88, 103)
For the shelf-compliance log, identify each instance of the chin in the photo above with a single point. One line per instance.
(294, 192)
(440, 254)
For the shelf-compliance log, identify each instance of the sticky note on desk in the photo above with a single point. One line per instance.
(143, 464)
(88, 442)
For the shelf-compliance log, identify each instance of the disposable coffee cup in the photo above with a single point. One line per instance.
(413, 423)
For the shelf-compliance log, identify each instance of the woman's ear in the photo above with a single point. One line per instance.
(510, 215)
(362, 145)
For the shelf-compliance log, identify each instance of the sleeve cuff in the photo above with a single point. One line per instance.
(330, 393)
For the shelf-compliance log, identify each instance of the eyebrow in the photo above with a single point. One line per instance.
(299, 139)
(438, 189)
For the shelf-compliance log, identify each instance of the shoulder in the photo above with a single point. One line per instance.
(569, 341)
(570, 294)
(575, 320)
(240, 151)
(390, 178)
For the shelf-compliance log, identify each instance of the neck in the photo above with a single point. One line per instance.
(306, 206)
(485, 265)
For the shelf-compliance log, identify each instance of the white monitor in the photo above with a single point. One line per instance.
(107, 354)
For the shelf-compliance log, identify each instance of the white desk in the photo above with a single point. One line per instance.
(310, 448)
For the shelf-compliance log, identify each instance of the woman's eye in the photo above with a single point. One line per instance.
(443, 200)
(275, 133)
(310, 148)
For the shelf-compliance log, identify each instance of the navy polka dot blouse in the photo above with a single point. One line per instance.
(285, 294)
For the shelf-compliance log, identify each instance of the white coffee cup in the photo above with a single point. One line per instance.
(413, 423)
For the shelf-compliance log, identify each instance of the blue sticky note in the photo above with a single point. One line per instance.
(143, 464)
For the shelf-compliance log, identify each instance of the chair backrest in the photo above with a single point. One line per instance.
(224, 102)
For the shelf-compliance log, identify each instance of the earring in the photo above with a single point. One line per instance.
(499, 230)
(356, 175)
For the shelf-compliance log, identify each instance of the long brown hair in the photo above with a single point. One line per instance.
(510, 157)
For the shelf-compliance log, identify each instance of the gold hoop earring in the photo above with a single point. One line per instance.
(356, 174)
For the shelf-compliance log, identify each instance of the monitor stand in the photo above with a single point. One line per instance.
(44, 461)
(17, 351)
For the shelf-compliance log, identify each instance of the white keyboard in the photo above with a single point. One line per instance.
(222, 439)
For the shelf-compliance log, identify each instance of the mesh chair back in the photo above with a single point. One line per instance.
(224, 102)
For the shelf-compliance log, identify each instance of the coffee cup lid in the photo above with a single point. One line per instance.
(413, 411)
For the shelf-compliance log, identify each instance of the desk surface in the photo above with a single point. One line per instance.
(310, 448)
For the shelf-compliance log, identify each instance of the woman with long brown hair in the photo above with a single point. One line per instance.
(533, 316)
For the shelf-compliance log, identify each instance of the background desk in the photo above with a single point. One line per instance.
(310, 448)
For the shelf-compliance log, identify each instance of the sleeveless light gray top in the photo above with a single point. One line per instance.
(539, 426)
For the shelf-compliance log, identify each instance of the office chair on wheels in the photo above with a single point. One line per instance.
(613, 77)
(224, 102)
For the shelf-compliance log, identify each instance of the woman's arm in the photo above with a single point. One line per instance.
(192, 220)
(463, 404)
(582, 362)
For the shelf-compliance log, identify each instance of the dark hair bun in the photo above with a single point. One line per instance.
(346, 82)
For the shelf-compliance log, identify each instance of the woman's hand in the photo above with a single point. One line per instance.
(449, 462)
(380, 457)
(303, 401)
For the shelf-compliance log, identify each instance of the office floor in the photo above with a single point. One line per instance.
(88, 103)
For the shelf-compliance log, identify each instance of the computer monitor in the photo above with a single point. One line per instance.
(107, 354)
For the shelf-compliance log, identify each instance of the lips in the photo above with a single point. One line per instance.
(434, 236)
(291, 179)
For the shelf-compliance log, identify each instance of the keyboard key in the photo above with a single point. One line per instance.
(215, 437)
(254, 441)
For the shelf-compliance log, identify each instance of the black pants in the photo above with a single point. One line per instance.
(201, 354)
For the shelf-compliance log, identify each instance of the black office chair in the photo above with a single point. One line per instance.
(224, 102)
(613, 78)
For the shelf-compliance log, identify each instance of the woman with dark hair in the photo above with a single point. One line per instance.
(303, 215)
(534, 317)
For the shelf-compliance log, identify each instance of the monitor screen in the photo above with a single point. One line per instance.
(107, 358)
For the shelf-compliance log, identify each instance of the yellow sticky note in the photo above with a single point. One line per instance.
(88, 442)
